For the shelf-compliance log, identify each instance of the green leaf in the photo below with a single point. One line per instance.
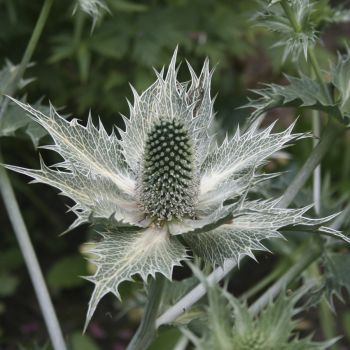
(337, 273)
(300, 92)
(7, 74)
(304, 92)
(16, 122)
(340, 75)
(84, 60)
(346, 324)
(66, 272)
(120, 255)
(107, 44)
(11, 259)
(13, 122)
(166, 339)
(81, 341)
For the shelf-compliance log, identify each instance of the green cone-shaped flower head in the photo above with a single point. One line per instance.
(167, 186)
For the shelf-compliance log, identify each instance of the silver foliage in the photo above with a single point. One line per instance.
(99, 173)
(121, 255)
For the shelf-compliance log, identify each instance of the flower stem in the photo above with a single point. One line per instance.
(325, 315)
(327, 322)
(11, 204)
(31, 261)
(316, 126)
(310, 51)
(312, 251)
(195, 294)
(329, 134)
(290, 14)
(147, 329)
(272, 276)
(28, 53)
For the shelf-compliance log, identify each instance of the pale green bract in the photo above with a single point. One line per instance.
(229, 325)
(195, 189)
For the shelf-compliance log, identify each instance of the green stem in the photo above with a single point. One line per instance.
(28, 53)
(31, 260)
(316, 128)
(147, 329)
(315, 66)
(272, 276)
(317, 70)
(290, 14)
(11, 204)
(311, 53)
(328, 136)
(78, 27)
(186, 302)
(327, 322)
(311, 252)
(346, 159)
(326, 318)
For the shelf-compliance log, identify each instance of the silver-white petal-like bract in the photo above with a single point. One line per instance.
(122, 254)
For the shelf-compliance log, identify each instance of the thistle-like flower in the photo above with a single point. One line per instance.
(165, 177)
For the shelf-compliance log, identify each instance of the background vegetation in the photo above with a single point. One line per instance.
(79, 69)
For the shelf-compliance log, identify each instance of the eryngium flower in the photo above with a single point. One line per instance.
(164, 178)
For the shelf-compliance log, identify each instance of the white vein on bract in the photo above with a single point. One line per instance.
(167, 98)
(121, 255)
(90, 150)
(96, 196)
(240, 152)
(251, 224)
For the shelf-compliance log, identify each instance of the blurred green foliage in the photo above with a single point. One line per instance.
(84, 69)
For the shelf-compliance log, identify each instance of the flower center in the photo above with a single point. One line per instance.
(166, 185)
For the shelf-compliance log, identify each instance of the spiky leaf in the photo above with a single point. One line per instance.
(340, 75)
(13, 121)
(7, 75)
(250, 225)
(337, 273)
(273, 329)
(237, 156)
(300, 92)
(120, 255)
(95, 196)
(16, 123)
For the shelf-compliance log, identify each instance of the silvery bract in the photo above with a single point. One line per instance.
(164, 179)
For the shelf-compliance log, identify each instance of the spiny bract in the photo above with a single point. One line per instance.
(164, 177)
(230, 325)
